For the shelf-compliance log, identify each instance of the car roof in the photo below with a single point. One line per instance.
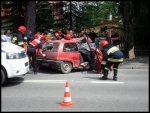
(72, 40)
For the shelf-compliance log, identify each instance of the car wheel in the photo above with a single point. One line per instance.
(3, 77)
(66, 67)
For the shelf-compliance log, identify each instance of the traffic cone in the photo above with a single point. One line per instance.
(67, 98)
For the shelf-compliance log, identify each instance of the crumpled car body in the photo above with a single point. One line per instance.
(65, 55)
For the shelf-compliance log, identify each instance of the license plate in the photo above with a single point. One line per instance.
(44, 63)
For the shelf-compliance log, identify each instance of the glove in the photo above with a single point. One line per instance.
(44, 55)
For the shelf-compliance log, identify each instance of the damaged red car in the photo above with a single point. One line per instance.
(66, 55)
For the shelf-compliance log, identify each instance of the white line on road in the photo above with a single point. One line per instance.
(63, 81)
(49, 81)
(114, 82)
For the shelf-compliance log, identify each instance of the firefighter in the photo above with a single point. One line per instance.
(56, 36)
(68, 37)
(18, 38)
(111, 56)
(33, 45)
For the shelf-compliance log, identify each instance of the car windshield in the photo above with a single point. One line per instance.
(50, 46)
(83, 45)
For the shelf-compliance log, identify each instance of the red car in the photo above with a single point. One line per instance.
(65, 55)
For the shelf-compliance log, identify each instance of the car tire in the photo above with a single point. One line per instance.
(3, 77)
(66, 67)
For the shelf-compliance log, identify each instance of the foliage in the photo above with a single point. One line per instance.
(44, 16)
(96, 11)
(59, 21)
(142, 27)
(72, 15)
(17, 10)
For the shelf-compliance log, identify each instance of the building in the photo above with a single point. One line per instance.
(112, 24)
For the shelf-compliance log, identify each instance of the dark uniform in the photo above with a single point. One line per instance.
(33, 45)
(111, 56)
(18, 38)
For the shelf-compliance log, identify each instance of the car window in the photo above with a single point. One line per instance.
(83, 45)
(50, 46)
(70, 47)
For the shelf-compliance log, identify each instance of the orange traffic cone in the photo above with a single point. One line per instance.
(67, 99)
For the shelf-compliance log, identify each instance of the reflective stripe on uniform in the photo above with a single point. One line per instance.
(106, 68)
(103, 62)
(112, 50)
(115, 60)
(20, 43)
(115, 69)
(25, 38)
(14, 39)
(34, 42)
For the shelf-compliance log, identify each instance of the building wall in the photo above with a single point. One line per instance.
(110, 26)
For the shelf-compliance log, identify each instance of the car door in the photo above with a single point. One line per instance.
(51, 51)
(70, 53)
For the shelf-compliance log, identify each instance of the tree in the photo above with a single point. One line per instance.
(72, 14)
(30, 16)
(44, 16)
(130, 16)
(15, 14)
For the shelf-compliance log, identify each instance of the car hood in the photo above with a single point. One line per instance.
(9, 47)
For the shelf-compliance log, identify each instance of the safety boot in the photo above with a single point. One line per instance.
(115, 75)
(105, 76)
(35, 71)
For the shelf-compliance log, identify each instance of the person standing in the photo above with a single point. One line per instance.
(18, 38)
(8, 36)
(92, 36)
(81, 33)
(29, 36)
(115, 38)
(85, 35)
(72, 34)
(111, 56)
(61, 34)
(3, 36)
(33, 45)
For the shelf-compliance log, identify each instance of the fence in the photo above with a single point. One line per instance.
(141, 47)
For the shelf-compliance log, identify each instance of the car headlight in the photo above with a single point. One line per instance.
(15, 55)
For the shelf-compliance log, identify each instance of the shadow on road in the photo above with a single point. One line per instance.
(12, 82)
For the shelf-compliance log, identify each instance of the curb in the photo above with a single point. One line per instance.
(133, 67)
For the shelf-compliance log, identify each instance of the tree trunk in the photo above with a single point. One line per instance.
(129, 21)
(70, 15)
(30, 16)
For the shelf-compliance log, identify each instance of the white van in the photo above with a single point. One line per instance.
(14, 61)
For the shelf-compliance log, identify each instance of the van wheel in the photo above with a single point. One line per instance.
(3, 77)
(66, 67)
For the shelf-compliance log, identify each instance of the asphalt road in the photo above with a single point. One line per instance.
(45, 92)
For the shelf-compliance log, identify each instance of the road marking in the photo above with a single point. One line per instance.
(107, 82)
(48, 81)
